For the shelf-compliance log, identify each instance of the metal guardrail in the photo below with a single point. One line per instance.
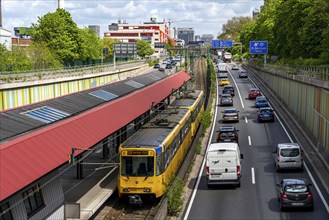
(317, 72)
(24, 76)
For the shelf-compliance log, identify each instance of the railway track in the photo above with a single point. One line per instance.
(120, 209)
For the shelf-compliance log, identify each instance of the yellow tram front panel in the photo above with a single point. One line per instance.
(137, 172)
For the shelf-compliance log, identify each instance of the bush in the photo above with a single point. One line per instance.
(174, 192)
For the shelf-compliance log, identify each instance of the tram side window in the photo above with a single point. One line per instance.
(160, 163)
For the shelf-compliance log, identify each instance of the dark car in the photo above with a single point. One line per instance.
(230, 114)
(265, 114)
(228, 89)
(156, 66)
(243, 74)
(253, 93)
(228, 133)
(295, 193)
(226, 99)
(169, 66)
(261, 101)
(161, 69)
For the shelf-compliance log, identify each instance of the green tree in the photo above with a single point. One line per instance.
(233, 27)
(91, 45)
(60, 34)
(247, 35)
(14, 60)
(265, 23)
(41, 57)
(144, 48)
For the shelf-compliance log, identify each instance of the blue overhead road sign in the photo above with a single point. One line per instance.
(221, 43)
(258, 47)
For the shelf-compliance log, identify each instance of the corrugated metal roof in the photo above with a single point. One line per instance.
(13, 123)
(156, 130)
(30, 156)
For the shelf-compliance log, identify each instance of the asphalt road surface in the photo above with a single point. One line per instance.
(257, 196)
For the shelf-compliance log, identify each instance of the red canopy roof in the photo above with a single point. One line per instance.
(27, 158)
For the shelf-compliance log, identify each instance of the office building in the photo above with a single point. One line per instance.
(152, 32)
(186, 34)
(95, 28)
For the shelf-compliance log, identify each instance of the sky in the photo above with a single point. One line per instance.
(204, 16)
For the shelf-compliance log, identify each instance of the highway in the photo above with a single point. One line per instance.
(257, 196)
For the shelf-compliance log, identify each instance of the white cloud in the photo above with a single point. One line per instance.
(207, 16)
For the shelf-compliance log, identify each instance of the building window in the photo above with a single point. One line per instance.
(33, 200)
(5, 212)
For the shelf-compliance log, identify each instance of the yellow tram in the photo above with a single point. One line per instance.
(155, 152)
(194, 101)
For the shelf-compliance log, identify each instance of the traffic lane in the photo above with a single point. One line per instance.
(274, 210)
(223, 202)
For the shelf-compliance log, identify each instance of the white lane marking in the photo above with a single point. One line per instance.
(253, 175)
(317, 187)
(304, 164)
(246, 120)
(195, 189)
(237, 88)
(249, 140)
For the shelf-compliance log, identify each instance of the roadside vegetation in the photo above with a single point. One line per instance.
(297, 31)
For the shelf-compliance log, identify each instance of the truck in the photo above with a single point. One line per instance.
(227, 57)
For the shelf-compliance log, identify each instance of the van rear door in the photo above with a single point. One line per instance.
(222, 165)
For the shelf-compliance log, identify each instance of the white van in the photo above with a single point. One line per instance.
(222, 67)
(223, 164)
(288, 156)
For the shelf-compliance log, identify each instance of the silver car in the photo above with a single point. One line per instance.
(230, 114)
(288, 156)
(225, 100)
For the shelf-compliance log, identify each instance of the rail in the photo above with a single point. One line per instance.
(9, 77)
(317, 72)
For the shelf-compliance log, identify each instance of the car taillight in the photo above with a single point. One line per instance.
(283, 196)
(207, 170)
(238, 170)
(309, 196)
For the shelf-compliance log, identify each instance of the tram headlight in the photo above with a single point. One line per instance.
(126, 190)
(147, 190)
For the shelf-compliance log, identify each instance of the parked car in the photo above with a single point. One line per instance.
(228, 133)
(230, 114)
(288, 156)
(228, 89)
(261, 101)
(156, 66)
(243, 74)
(253, 93)
(223, 82)
(235, 67)
(161, 69)
(226, 99)
(265, 114)
(295, 193)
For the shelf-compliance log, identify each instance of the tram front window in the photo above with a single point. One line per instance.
(137, 166)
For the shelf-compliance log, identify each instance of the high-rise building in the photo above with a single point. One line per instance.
(186, 34)
(197, 38)
(95, 28)
(207, 38)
